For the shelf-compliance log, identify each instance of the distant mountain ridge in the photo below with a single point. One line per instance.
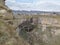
(33, 12)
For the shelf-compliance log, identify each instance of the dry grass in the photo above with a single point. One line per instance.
(9, 36)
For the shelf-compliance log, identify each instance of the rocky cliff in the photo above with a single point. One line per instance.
(5, 12)
(13, 31)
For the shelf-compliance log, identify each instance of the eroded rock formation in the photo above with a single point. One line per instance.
(5, 12)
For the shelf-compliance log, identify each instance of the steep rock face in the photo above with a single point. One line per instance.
(5, 12)
(5, 28)
(2, 2)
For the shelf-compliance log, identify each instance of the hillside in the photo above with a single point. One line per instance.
(31, 29)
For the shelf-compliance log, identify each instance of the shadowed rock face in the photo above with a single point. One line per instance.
(27, 25)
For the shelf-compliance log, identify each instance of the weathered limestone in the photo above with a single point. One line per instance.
(5, 12)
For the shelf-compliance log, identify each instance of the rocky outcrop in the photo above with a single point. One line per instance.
(5, 12)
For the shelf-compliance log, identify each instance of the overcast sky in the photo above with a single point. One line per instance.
(40, 5)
